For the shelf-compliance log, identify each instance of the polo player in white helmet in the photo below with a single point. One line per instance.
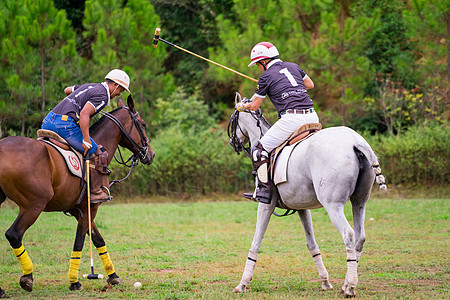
(70, 120)
(286, 84)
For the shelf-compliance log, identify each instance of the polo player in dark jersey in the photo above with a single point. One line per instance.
(286, 84)
(70, 119)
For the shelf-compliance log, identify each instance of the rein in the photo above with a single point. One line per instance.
(142, 151)
(236, 143)
(233, 125)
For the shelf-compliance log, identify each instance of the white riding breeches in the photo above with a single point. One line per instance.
(284, 127)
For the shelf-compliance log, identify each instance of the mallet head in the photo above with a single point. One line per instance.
(156, 37)
(93, 276)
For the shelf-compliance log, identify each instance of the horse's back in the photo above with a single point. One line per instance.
(323, 165)
(30, 172)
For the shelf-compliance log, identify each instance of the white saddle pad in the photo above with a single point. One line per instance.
(281, 164)
(73, 160)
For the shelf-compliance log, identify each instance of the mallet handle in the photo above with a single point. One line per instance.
(89, 213)
(208, 60)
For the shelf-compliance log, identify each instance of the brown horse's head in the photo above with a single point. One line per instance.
(136, 139)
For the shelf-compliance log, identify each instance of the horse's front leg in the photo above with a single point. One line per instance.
(2, 293)
(264, 213)
(108, 266)
(305, 217)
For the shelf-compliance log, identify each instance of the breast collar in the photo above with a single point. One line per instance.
(107, 91)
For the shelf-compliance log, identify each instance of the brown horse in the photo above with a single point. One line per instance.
(34, 175)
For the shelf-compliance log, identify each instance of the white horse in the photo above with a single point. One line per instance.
(324, 170)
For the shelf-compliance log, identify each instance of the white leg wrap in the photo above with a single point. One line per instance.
(323, 273)
(249, 268)
(352, 275)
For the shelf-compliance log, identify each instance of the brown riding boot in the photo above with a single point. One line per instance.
(99, 186)
(99, 176)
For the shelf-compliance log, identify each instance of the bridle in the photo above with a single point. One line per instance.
(142, 151)
(233, 126)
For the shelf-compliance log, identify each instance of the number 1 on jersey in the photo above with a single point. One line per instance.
(289, 76)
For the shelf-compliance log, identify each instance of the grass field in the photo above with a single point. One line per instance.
(193, 250)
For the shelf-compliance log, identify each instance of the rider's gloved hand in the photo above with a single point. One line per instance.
(240, 107)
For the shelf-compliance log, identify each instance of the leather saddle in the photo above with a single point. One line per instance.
(302, 133)
(72, 157)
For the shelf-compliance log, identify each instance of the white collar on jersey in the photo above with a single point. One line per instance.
(107, 90)
(273, 62)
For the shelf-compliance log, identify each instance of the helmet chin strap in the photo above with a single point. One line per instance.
(264, 64)
(115, 89)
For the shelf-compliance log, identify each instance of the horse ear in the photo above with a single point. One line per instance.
(119, 102)
(130, 103)
(237, 98)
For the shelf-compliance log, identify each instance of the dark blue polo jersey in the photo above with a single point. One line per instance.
(95, 93)
(283, 83)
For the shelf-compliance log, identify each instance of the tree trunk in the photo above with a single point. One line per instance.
(341, 53)
(43, 76)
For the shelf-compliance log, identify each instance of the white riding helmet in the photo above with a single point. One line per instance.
(119, 77)
(262, 51)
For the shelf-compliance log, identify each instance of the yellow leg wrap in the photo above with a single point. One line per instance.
(75, 259)
(24, 260)
(106, 260)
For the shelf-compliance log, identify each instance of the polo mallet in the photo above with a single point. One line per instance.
(92, 275)
(156, 39)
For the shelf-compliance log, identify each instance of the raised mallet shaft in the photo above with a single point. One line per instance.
(156, 39)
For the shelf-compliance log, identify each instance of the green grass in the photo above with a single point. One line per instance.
(197, 250)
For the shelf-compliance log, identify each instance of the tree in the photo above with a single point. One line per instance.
(36, 41)
(122, 38)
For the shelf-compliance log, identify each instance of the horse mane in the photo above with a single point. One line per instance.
(102, 120)
(265, 120)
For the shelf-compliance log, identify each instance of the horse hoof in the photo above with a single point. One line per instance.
(26, 282)
(326, 285)
(239, 289)
(113, 279)
(348, 292)
(2, 293)
(75, 286)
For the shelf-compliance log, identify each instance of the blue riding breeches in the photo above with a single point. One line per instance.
(66, 127)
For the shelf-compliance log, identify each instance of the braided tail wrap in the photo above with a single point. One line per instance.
(24, 260)
(381, 181)
(106, 260)
(249, 268)
(75, 259)
(371, 157)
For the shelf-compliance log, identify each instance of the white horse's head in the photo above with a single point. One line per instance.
(246, 127)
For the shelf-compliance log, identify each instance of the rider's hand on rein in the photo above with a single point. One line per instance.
(240, 107)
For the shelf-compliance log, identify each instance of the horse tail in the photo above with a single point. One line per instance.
(366, 151)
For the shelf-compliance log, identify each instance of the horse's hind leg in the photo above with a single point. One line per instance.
(108, 266)
(305, 217)
(359, 212)
(14, 235)
(337, 216)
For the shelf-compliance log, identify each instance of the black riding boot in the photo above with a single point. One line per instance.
(263, 190)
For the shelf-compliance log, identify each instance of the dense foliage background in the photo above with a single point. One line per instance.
(380, 67)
